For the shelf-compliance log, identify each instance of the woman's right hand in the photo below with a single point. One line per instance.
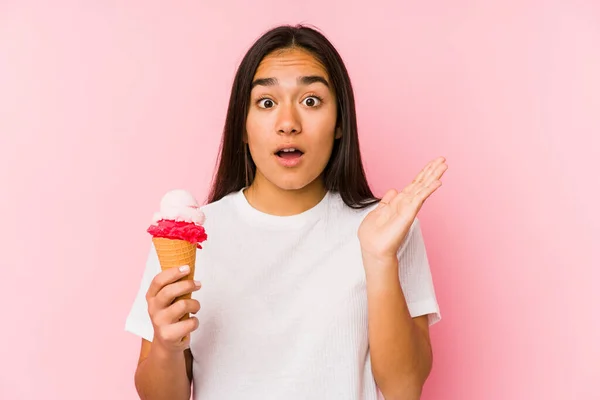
(165, 312)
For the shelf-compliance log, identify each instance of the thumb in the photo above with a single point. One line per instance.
(389, 196)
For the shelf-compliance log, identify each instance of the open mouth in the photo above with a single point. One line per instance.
(289, 154)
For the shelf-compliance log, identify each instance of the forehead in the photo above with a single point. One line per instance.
(290, 62)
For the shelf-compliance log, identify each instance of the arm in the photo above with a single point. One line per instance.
(164, 368)
(401, 355)
(162, 375)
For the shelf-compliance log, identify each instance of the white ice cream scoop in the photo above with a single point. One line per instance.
(179, 205)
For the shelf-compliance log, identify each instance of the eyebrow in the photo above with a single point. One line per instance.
(303, 80)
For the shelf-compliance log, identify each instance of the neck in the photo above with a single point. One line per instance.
(270, 199)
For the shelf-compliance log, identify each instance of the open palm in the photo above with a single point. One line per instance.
(384, 229)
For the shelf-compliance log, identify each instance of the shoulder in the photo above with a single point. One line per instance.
(342, 213)
(220, 208)
(218, 205)
(338, 204)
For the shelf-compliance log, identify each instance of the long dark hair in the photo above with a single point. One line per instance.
(344, 172)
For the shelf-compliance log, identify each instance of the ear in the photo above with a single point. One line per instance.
(245, 137)
(338, 132)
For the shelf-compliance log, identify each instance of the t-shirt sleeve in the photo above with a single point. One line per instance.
(415, 276)
(138, 321)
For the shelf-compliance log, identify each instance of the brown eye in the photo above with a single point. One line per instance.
(265, 103)
(312, 101)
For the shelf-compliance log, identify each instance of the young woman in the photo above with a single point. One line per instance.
(312, 288)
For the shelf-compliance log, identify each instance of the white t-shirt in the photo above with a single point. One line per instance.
(284, 303)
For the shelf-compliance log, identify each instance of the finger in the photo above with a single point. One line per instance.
(421, 174)
(176, 311)
(423, 178)
(432, 167)
(435, 174)
(426, 191)
(422, 190)
(426, 171)
(174, 333)
(169, 293)
(166, 277)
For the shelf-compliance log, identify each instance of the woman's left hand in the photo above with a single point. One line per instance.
(383, 230)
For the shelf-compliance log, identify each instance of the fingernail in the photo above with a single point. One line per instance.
(185, 268)
(197, 283)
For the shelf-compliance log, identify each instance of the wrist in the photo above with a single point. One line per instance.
(380, 269)
(163, 355)
(381, 276)
(378, 260)
(381, 282)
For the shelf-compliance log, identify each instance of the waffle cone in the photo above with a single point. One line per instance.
(173, 253)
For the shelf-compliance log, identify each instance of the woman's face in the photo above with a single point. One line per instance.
(291, 123)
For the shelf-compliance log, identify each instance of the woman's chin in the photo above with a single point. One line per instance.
(295, 180)
(299, 184)
(292, 186)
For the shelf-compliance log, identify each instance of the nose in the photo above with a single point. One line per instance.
(288, 122)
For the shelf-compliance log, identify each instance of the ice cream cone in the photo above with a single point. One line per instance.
(177, 231)
(174, 253)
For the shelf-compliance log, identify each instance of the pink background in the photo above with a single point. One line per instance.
(104, 107)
